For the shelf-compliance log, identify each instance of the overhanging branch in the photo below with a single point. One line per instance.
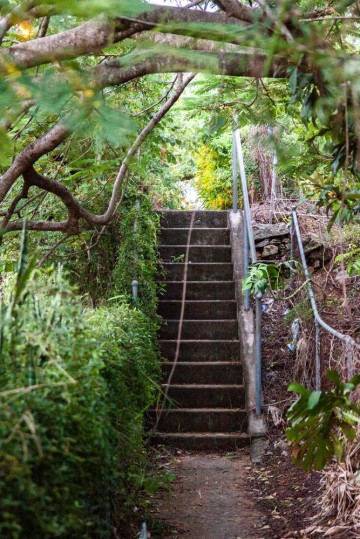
(97, 34)
(75, 210)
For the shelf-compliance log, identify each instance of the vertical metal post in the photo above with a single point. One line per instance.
(292, 249)
(258, 317)
(135, 289)
(273, 180)
(246, 266)
(143, 531)
(135, 283)
(235, 176)
(317, 356)
(247, 211)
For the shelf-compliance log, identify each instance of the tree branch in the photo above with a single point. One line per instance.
(10, 211)
(94, 35)
(30, 154)
(117, 72)
(233, 8)
(75, 210)
(115, 197)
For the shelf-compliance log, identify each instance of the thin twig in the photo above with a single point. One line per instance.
(163, 98)
(53, 248)
(332, 18)
(194, 3)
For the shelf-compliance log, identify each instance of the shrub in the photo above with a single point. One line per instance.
(74, 387)
(137, 257)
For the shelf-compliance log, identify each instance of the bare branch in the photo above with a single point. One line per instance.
(238, 63)
(53, 248)
(44, 26)
(107, 216)
(12, 207)
(30, 154)
(74, 208)
(95, 35)
(194, 3)
(39, 226)
(162, 98)
(233, 8)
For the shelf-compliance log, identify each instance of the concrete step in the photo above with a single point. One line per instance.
(198, 310)
(199, 236)
(204, 372)
(200, 329)
(197, 253)
(203, 441)
(209, 271)
(206, 396)
(181, 219)
(201, 420)
(206, 350)
(202, 290)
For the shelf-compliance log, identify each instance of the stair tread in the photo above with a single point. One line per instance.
(196, 228)
(191, 246)
(210, 386)
(192, 282)
(202, 340)
(212, 320)
(233, 434)
(227, 301)
(200, 410)
(197, 263)
(202, 363)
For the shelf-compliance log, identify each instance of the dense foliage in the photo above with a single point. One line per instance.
(79, 367)
(75, 383)
(75, 113)
(321, 421)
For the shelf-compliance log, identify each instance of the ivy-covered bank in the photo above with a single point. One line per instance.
(75, 384)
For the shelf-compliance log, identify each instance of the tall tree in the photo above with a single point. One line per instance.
(66, 67)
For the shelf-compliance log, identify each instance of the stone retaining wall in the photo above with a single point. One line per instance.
(272, 242)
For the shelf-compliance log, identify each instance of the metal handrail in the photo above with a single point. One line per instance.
(249, 245)
(318, 321)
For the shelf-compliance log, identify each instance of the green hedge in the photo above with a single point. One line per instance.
(74, 386)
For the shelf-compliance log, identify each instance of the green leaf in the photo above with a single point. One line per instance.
(112, 126)
(298, 388)
(348, 430)
(314, 399)
(334, 377)
(355, 380)
(351, 417)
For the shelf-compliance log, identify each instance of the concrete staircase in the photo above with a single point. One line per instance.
(206, 408)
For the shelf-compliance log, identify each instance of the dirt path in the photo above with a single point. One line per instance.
(210, 499)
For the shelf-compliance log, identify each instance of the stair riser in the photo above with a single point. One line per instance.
(212, 329)
(204, 421)
(202, 351)
(210, 310)
(179, 236)
(206, 396)
(209, 397)
(197, 443)
(199, 290)
(181, 219)
(196, 254)
(209, 373)
(199, 272)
